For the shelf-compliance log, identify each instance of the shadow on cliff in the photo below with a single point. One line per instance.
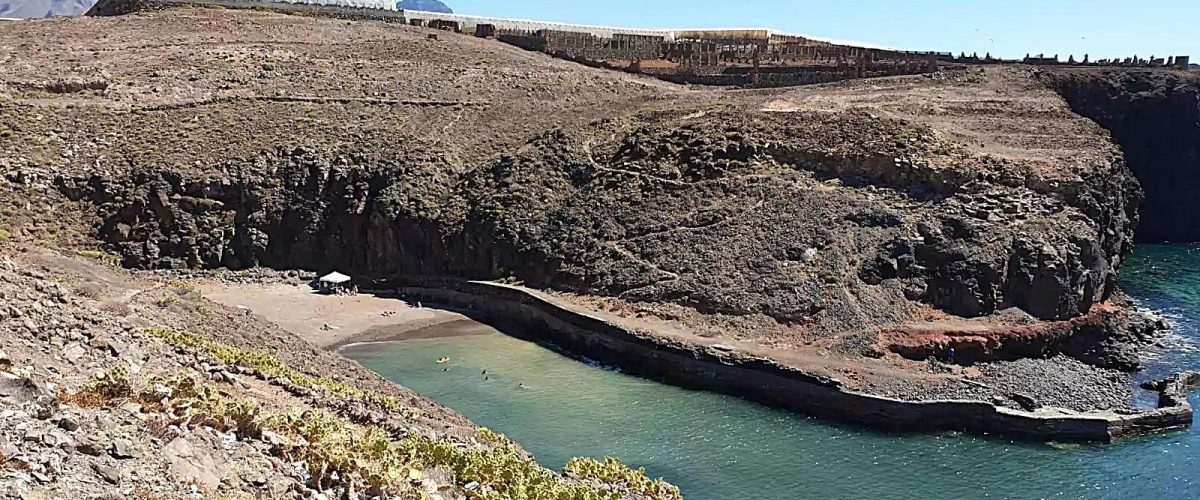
(1154, 115)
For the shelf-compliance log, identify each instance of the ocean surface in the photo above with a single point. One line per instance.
(721, 447)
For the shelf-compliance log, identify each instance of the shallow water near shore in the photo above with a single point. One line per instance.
(720, 447)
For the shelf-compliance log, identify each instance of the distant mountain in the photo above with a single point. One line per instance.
(43, 8)
(426, 5)
(48, 8)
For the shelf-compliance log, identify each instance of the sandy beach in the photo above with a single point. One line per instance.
(331, 321)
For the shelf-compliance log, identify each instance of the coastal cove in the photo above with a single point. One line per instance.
(349, 250)
(717, 446)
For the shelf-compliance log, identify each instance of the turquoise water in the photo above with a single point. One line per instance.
(720, 447)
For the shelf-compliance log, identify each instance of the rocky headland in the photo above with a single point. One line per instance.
(860, 231)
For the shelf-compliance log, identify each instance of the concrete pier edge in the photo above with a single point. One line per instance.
(719, 369)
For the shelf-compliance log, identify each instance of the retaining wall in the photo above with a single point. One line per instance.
(721, 369)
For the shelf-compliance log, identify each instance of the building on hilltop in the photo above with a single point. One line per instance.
(730, 56)
(717, 56)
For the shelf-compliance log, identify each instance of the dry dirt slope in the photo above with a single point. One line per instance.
(231, 84)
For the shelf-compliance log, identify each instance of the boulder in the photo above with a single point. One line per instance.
(122, 449)
(74, 352)
(192, 463)
(110, 474)
(22, 389)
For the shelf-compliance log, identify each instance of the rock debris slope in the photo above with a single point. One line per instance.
(117, 387)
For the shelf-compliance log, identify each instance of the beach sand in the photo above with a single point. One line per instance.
(330, 321)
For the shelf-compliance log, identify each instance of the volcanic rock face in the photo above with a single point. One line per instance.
(814, 211)
(832, 219)
(1155, 116)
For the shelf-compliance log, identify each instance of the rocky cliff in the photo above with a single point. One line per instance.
(837, 219)
(808, 222)
(1155, 116)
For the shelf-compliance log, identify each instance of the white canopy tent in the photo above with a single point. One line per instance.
(335, 278)
(334, 282)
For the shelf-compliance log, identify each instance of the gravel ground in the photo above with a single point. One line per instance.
(1061, 382)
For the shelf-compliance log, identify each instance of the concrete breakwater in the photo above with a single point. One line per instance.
(722, 369)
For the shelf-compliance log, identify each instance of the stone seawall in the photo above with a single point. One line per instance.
(721, 369)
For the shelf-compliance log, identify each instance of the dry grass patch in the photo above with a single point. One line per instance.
(106, 259)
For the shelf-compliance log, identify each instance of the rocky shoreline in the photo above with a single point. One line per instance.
(724, 369)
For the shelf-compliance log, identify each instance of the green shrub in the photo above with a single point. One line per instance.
(110, 388)
(368, 457)
(612, 471)
(186, 291)
(270, 367)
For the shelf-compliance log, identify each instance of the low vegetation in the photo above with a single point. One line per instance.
(101, 257)
(612, 471)
(366, 458)
(270, 367)
(112, 387)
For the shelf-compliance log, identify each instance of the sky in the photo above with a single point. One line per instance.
(1100, 28)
